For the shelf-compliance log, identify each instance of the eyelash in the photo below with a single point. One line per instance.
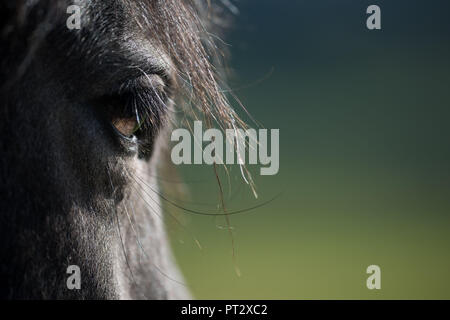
(148, 107)
(147, 103)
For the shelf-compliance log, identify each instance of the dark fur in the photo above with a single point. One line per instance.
(68, 184)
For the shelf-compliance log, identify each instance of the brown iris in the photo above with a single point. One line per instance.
(121, 114)
(126, 126)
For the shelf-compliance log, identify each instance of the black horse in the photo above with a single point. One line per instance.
(82, 117)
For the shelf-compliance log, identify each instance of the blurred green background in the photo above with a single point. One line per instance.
(365, 158)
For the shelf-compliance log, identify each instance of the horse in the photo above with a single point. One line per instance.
(84, 116)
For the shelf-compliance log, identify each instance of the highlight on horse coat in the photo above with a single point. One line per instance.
(83, 112)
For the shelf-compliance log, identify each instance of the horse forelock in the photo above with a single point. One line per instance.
(181, 29)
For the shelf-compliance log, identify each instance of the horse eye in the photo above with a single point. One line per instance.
(126, 126)
(136, 110)
(120, 114)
